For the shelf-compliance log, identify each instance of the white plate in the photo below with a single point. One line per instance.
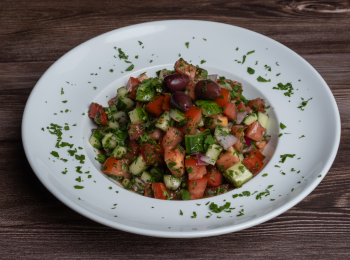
(163, 41)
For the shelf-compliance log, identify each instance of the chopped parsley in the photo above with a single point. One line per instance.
(282, 126)
(111, 70)
(187, 44)
(250, 52)
(261, 79)
(55, 154)
(203, 61)
(278, 74)
(181, 213)
(65, 171)
(284, 157)
(264, 175)
(131, 67)
(250, 70)
(303, 104)
(287, 87)
(302, 136)
(194, 215)
(78, 187)
(268, 67)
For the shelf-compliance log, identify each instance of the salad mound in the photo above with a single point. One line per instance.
(181, 135)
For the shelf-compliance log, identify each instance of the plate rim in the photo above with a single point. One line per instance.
(184, 234)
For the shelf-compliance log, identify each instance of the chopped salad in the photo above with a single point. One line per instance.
(181, 135)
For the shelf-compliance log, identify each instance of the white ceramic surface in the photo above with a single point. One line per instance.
(163, 41)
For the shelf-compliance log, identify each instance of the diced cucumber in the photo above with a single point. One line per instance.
(171, 182)
(194, 143)
(262, 119)
(177, 115)
(238, 174)
(108, 142)
(123, 102)
(201, 123)
(209, 108)
(114, 124)
(119, 151)
(213, 152)
(157, 172)
(146, 177)
(138, 166)
(95, 142)
(119, 114)
(138, 115)
(163, 73)
(146, 91)
(164, 122)
(127, 183)
(122, 92)
(219, 130)
(241, 157)
(249, 119)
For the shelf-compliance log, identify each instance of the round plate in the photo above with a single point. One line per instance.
(93, 71)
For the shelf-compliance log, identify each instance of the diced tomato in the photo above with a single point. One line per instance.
(174, 158)
(159, 191)
(257, 104)
(227, 158)
(183, 129)
(114, 166)
(202, 129)
(183, 67)
(112, 101)
(238, 131)
(237, 88)
(134, 147)
(101, 117)
(194, 117)
(166, 102)
(190, 88)
(155, 106)
(253, 162)
(94, 108)
(129, 156)
(142, 77)
(255, 131)
(256, 153)
(150, 155)
(224, 97)
(197, 187)
(135, 131)
(214, 177)
(194, 170)
(216, 120)
(217, 190)
(148, 190)
(172, 137)
(260, 145)
(242, 108)
(230, 111)
(131, 86)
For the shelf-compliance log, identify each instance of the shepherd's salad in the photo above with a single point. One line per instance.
(181, 135)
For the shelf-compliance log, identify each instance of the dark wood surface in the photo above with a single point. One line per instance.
(35, 225)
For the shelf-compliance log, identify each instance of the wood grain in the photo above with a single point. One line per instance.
(35, 225)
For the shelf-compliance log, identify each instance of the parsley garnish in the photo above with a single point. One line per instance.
(187, 44)
(186, 195)
(265, 174)
(203, 61)
(287, 87)
(194, 215)
(250, 70)
(284, 157)
(181, 213)
(303, 104)
(261, 79)
(131, 67)
(302, 136)
(282, 126)
(55, 154)
(78, 187)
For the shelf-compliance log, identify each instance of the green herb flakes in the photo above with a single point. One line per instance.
(78, 187)
(250, 70)
(187, 44)
(282, 126)
(130, 68)
(261, 79)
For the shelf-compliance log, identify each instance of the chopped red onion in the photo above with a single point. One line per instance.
(247, 150)
(122, 119)
(227, 141)
(240, 117)
(199, 159)
(213, 77)
(248, 141)
(207, 160)
(230, 125)
(140, 180)
(268, 138)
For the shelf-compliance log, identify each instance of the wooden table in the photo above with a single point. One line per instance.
(34, 224)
